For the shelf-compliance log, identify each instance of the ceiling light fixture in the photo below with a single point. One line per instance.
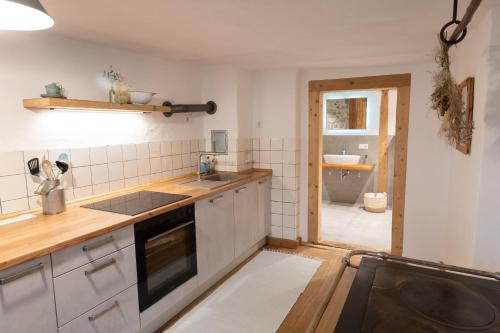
(23, 15)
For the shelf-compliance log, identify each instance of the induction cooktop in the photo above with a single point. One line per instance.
(136, 203)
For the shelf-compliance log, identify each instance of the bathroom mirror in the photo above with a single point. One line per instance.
(346, 114)
(219, 141)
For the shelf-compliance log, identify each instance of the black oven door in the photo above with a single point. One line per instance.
(166, 258)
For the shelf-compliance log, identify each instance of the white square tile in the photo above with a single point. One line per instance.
(99, 174)
(277, 183)
(155, 164)
(289, 208)
(276, 207)
(256, 144)
(289, 221)
(176, 162)
(186, 147)
(13, 187)
(232, 146)
(276, 195)
(186, 160)
(117, 185)
(265, 156)
(276, 232)
(277, 170)
(289, 170)
(116, 171)
(155, 177)
(40, 154)
(144, 179)
(98, 155)
(130, 182)
(176, 147)
(202, 145)
(129, 152)
(69, 194)
(130, 169)
(194, 159)
(80, 157)
(289, 233)
(166, 148)
(55, 153)
(290, 144)
(256, 156)
(276, 144)
(166, 163)
(277, 220)
(32, 183)
(289, 196)
(167, 174)
(265, 144)
(277, 156)
(115, 154)
(194, 146)
(289, 183)
(264, 165)
(154, 149)
(142, 151)
(143, 167)
(289, 157)
(100, 188)
(82, 192)
(81, 176)
(67, 180)
(14, 206)
(12, 163)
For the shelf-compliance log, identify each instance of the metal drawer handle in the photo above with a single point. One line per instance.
(163, 234)
(219, 198)
(241, 190)
(97, 244)
(16, 276)
(97, 315)
(110, 262)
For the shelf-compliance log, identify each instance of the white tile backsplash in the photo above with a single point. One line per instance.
(13, 187)
(115, 154)
(277, 144)
(130, 169)
(99, 173)
(80, 157)
(166, 148)
(16, 205)
(155, 165)
(116, 171)
(154, 149)
(98, 155)
(142, 151)
(81, 177)
(12, 163)
(143, 167)
(129, 152)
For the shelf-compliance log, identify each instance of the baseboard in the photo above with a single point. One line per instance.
(286, 243)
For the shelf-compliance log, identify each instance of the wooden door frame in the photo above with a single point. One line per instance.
(401, 82)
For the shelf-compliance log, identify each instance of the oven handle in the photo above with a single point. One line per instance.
(170, 231)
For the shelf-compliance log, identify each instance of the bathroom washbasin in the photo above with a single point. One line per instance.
(342, 159)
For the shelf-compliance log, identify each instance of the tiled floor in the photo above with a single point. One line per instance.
(351, 224)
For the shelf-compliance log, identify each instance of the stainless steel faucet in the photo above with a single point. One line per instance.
(344, 150)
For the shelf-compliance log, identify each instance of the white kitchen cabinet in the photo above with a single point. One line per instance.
(27, 298)
(119, 314)
(245, 218)
(263, 208)
(214, 234)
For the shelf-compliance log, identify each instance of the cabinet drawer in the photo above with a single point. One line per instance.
(119, 314)
(27, 298)
(83, 288)
(75, 256)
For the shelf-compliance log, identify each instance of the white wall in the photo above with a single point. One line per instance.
(31, 60)
(428, 161)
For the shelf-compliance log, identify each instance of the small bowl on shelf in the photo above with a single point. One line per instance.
(141, 97)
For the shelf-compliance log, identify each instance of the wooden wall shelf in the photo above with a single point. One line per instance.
(358, 167)
(77, 104)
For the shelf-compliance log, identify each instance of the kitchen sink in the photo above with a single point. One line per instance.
(215, 180)
(342, 159)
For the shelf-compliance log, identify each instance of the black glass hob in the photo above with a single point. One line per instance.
(136, 203)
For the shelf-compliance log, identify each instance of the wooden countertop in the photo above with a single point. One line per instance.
(36, 237)
(359, 167)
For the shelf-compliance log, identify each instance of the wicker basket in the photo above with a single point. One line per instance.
(375, 202)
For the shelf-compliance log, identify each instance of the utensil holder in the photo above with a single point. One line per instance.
(53, 197)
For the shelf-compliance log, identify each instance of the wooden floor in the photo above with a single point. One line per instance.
(318, 308)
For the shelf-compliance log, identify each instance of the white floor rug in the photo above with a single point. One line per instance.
(256, 299)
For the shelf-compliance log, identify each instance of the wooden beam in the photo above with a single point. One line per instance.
(400, 154)
(382, 142)
(281, 242)
(314, 172)
(469, 13)
(369, 82)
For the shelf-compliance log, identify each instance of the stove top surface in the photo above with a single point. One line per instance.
(392, 297)
(136, 203)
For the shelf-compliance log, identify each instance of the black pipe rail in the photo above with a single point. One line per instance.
(210, 107)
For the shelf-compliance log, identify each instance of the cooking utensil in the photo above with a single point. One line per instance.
(48, 169)
(63, 157)
(63, 167)
(34, 166)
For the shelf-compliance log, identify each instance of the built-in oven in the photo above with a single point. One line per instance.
(165, 248)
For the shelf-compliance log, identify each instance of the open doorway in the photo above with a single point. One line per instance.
(358, 130)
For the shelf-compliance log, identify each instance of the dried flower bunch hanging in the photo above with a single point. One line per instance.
(447, 101)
